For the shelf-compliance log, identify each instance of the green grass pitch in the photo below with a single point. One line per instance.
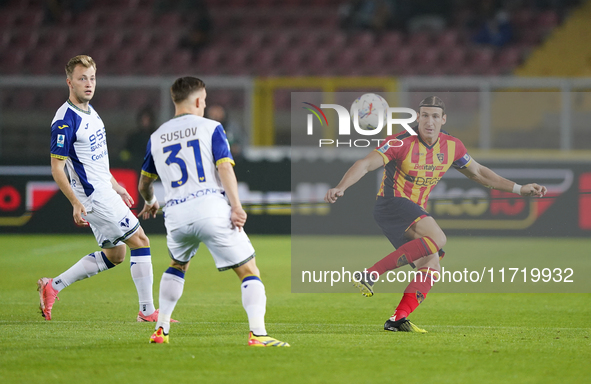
(335, 338)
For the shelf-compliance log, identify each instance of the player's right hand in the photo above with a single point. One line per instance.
(79, 210)
(238, 217)
(333, 194)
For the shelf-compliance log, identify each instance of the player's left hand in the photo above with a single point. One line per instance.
(533, 189)
(149, 211)
(126, 197)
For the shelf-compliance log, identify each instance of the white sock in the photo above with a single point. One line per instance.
(87, 266)
(254, 302)
(171, 290)
(143, 278)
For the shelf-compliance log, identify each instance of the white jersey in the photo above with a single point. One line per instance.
(79, 137)
(184, 152)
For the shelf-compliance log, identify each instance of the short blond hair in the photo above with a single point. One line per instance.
(84, 60)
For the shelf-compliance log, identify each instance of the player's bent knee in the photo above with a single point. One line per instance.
(440, 239)
(115, 255)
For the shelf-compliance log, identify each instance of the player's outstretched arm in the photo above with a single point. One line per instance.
(59, 175)
(483, 175)
(146, 188)
(230, 184)
(369, 163)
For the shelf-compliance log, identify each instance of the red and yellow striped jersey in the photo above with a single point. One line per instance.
(413, 168)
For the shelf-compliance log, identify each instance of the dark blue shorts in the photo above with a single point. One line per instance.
(395, 215)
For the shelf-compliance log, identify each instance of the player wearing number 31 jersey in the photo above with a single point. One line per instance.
(192, 156)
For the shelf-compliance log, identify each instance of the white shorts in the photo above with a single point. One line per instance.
(229, 247)
(111, 222)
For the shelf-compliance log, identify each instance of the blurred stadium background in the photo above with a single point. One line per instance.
(254, 54)
(515, 76)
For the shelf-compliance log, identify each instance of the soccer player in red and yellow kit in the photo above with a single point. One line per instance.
(413, 164)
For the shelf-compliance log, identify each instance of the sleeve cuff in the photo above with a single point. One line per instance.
(150, 175)
(224, 160)
(59, 156)
(386, 160)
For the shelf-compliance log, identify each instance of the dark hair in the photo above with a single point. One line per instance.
(432, 101)
(183, 87)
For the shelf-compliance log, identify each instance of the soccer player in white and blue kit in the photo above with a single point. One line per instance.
(192, 156)
(78, 143)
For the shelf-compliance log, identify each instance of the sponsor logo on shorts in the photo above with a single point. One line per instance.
(124, 223)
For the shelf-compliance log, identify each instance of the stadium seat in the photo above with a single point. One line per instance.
(252, 40)
(7, 20)
(25, 39)
(290, 62)
(420, 39)
(547, 21)
(40, 61)
(362, 41)
(236, 61)
(508, 59)
(138, 39)
(140, 19)
(390, 40)
(86, 21)
(123, 62)
(334, 41)
(372, 62)
(170, 21)
(13, 63)
(54, 38)
(400, 60)
(31, 19)
(427, 59)
(279, 39)
(523, 18)
(447, 39)
(264, 61)
(5, 39)
(452, 59)
(179, 63)
(480, 60)
(346, 60)
(82, 41)
(209, 60)
(319, 63)
(165, 41)
(109, 38)
(151, 62)
(114, 18)
(306, 40)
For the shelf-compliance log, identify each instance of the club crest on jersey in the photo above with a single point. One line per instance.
(124, 223)
(60, 140)
(441, 157)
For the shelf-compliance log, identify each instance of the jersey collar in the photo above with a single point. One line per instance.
(78, 109)
(427, 145)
